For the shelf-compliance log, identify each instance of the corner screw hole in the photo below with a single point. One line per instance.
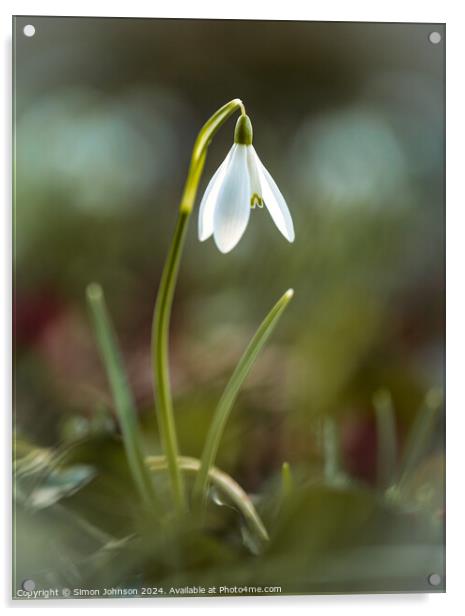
(434, 579)
(434, 38)
(29, 30)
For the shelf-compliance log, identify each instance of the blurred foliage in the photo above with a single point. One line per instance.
(349, 120)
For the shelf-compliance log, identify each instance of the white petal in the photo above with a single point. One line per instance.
(207, 205)
(275, 202)
(232, 209)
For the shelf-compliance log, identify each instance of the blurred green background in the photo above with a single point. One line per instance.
(349, 119)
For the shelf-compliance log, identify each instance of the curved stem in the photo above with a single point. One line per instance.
(232, 389)
(162, 310)
(160, 332)
(224, 483)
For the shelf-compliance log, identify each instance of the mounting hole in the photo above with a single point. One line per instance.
(435, 38)
(434, 579)
(29, 30)
(28, 585)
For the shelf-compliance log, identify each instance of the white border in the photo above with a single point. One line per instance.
(343, 10)
(356, 10)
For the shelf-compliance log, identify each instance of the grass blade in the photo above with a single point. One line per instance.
(122, 396)
(232, 389)
(420, 434)
(332, 453)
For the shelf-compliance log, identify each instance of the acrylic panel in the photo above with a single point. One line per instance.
(228, 308)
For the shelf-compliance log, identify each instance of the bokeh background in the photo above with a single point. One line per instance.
(349, 119)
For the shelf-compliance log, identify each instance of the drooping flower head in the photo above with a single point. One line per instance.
(240, 184)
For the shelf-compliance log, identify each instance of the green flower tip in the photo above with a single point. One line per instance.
(94, 292)
(289, 294)
(243, 133)
(287, 479)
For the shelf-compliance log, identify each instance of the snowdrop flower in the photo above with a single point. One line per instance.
(240, 183)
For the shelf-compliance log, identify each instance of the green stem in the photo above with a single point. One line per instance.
(160, 331)
(230, 393)
(162, 310)
(225, 484)
(199, 151)
(124, 403)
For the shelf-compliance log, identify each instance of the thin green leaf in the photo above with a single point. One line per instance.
(123, 399)
(232, 389)
(420, 434)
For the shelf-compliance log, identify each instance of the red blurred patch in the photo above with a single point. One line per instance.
(32, 314)
(359, 443)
